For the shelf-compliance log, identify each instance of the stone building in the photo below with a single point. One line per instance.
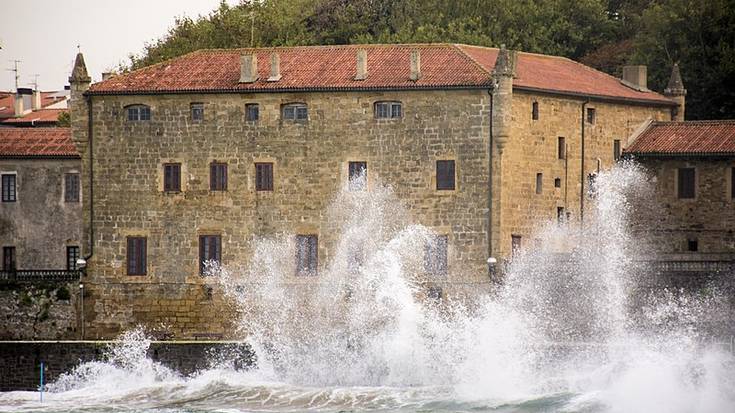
(41, 204)
(191, 158)
(694, 166)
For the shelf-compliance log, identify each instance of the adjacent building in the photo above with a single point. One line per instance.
(41, 203)
(32, 108)
(189, 159)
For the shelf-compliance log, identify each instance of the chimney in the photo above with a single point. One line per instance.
(636, 77)
(361, 65)
(275, 68)
(36, 100)
(415, 65)
(248, 68)
(106, 75)
(18, 104)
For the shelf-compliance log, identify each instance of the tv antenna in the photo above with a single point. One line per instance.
(35, 81)
(15, 69)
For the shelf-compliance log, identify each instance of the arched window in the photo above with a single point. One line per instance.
(137, 113)
(388, 110)
(296, 112)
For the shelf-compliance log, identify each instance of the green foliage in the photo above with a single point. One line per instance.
(64, 120)
(605, 34)
(62, 293)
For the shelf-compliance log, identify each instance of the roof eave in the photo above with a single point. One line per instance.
(287, 90)
(602, 98)
(680, 154)
(40, 156)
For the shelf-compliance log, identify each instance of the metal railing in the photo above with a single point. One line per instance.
(39, 275)
(692, 266)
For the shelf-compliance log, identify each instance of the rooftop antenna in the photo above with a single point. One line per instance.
(35, 81)
(15, 69)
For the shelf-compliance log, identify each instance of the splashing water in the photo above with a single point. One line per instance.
(562, 333)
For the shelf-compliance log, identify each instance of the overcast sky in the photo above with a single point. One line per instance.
(44, 34)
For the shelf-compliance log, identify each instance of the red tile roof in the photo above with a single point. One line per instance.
(690, 138)
(7, 102)
(333, 68)
(36, 142)
(31, 118)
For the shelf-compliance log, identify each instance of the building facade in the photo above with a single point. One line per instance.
(192, 158)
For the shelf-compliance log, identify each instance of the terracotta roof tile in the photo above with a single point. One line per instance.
(333, 68)
(715, 137)
(39, 116)
(36, 142)
(7, 102)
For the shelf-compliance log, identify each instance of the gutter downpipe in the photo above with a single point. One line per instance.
(490, 92)
(581, 178)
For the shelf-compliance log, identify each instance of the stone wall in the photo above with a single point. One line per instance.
(38, 311)
(709, 218)
(20, 361)
(40, 225)
(532, 149)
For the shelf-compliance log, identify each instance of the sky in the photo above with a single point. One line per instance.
(44, 35)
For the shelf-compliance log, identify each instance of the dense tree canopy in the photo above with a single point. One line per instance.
(698, 34)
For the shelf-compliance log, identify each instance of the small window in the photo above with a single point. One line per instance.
(72, 255)
(137, 256)
(197, 112)
(357, 175)
(534, 111)
(686, 183)
(210, 251)
(138, 113)
(172, 177)
(557, 182)
(561, 148)
(296, 112)
(692, 245)
(591, 115)
(218, 176)
(616, 150)
(515, 246)
(9, 259)
(539, 182)
(732, 183)
(388, 110)
(264, 176)
(307, 255)
(435, 255)
(560, 215)
(445, 175)
(9, 188)
(252, 112)
(71, 188)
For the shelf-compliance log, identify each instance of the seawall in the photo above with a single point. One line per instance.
(20, 361)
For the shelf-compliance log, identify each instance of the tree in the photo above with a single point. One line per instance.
(64, 120)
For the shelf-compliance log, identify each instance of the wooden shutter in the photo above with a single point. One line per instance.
(137, 264)
(561, 149)
(445, 175)
(686, 183)
(263, 176)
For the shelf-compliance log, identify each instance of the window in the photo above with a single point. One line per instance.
(539, 182)
(72, 255)
(435, 293)
(197, 112)
(388, 110)
(307, 254)
(9, 188)
(616, 150)
(9, 259)
(358, 175)
(592, 184)
(561, 148)
(445, 175)
(139, 113)
(534, 111)
(172, 177)
(252, 112)
(560, 215)
(732, 183)
(686, 183)
(591, 115)
(218, 176)
(210, 250)
(515, 246)
(71, 188)
(692, 245)
(295, 112)
(557, 182)
(137, 256)
(264, 176)
(435, 255)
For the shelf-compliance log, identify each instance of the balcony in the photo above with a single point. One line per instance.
(30, 276)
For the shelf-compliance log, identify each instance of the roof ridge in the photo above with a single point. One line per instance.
(327, 46)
